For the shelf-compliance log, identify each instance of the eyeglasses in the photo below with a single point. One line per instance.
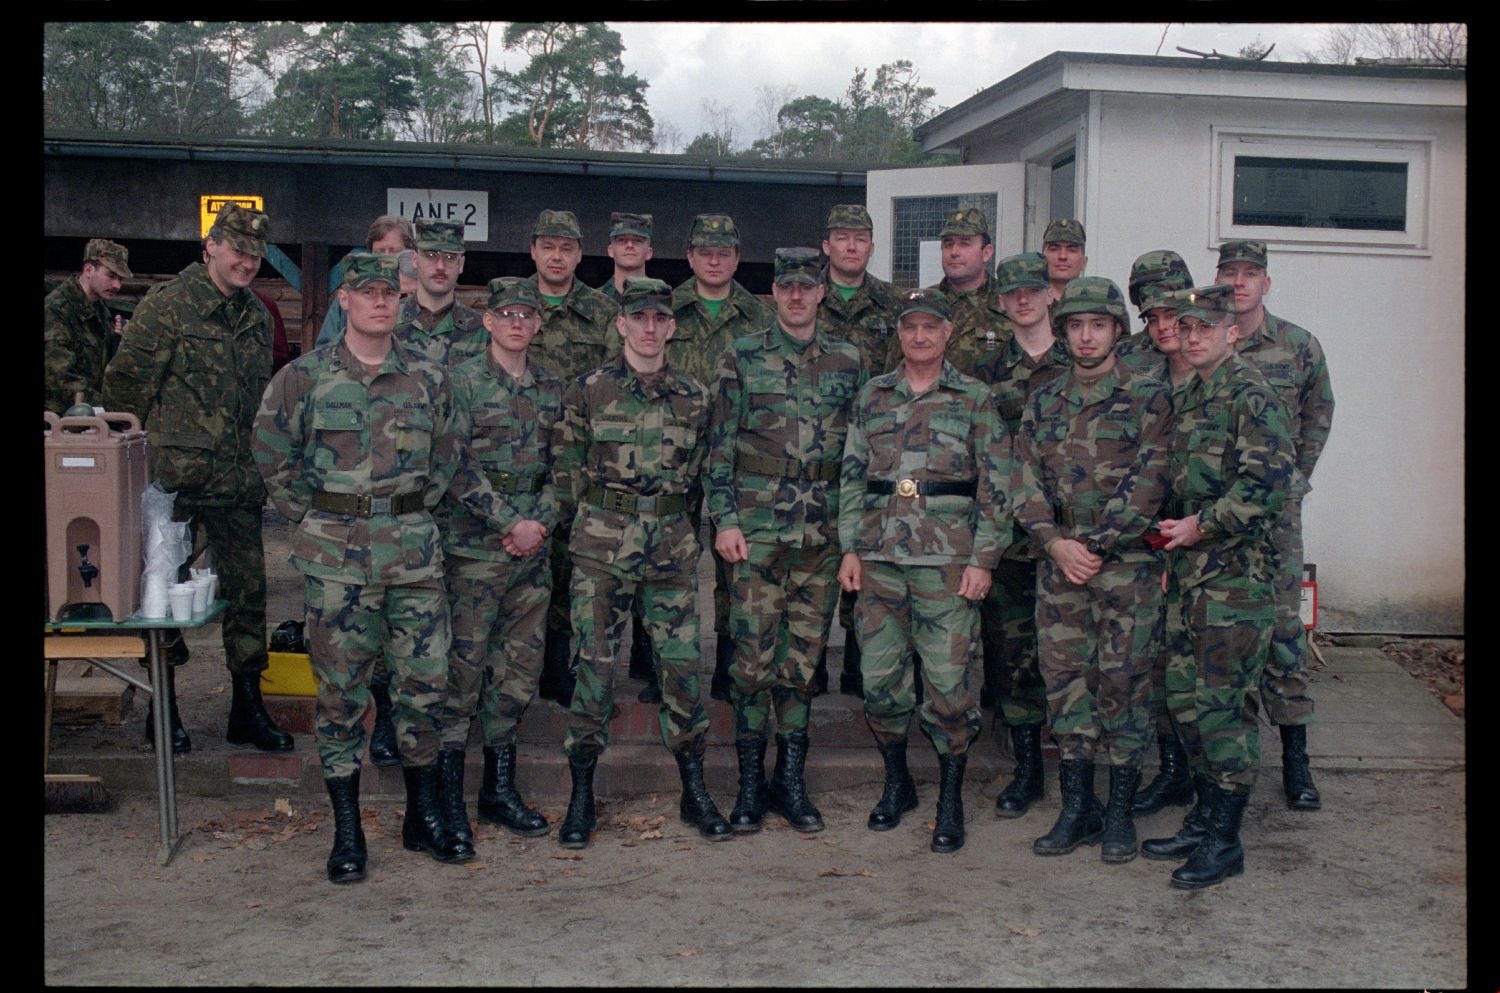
(434, 256)
(515, 315)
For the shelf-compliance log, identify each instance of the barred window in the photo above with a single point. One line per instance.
(919, 219)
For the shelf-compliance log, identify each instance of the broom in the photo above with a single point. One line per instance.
(67, 793)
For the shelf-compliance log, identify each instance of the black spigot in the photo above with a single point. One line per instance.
(86, 569)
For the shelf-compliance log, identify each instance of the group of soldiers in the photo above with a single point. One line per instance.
(1008, 499)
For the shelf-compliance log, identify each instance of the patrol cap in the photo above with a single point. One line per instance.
(1209, 304)
(711, 230)
(371, 267)
(1064, 229)
(1154, 295)
(798, 265)
(513, 289)
(1091, 295)
(621, 224)
(925, 301)
(246, 230)
(1158, 267)
(440, 236)
(966, 221)
(853, 216)
(1243, 251)
(112, 256)
(556, 224)
(645, 293)
(1016, 271)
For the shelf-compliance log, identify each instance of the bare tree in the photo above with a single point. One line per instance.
(768, 103)
(1440, 44)
(720, 120)
(667, 137)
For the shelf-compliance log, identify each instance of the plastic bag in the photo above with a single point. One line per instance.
(164, 547)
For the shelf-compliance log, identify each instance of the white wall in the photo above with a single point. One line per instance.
(1385, 520)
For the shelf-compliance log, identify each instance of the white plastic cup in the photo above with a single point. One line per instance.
(213, 587)
(154, 604)
(180, 596)
(203, 588)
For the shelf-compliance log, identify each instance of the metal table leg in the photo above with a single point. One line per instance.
(166, 773)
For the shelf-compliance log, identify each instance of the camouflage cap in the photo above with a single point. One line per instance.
(926, 301)
(440, 236)
(713, 229)
(798, 265)
(1016, 271)
(1154, 295)
(556, 224)
(112, 256)
(966, 221)
(1243, 251)
(246, 230)
(1064, 229)
(853, 216)
(1091, 295)
(1209, 304)
(1158, 267)
(372, 267)
(621, 224)
(513, 289)
(645, 293)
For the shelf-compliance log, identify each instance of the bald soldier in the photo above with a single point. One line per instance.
(78, 335)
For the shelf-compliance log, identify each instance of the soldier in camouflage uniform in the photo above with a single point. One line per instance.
(432, 318)
(1157, 281)
(192, 365)
(499, 581)
(630, 448)
(1013, 685)
(78, 329)
(711, 310)
(980, 326)
(1292, 361)
(859, 308)
(357, 443)
(1232, 468)
(1062, 245)
(630, 248)
(781, 404)
(1091, 456)
(574, 339)
(923, 519)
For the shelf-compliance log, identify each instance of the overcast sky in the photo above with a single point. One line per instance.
(687, 63)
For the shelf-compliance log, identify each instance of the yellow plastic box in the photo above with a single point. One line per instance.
(289, 674)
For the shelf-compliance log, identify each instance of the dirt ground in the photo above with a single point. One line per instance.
(1437, 663)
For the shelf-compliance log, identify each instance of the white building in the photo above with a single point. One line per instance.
(1355, 178)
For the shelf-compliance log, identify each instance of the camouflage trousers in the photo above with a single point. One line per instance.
(780, 610)
(1008, 628)
(1095, 644)
(1283, 686)
(499, 610)
(1217, 640)
(601, 618)
(723, 571)
(348, 628)
(1156, 694)
(906, 609)
(232, 535)
(560, 604)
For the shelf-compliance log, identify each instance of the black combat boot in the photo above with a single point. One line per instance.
(181, 743)
(249, 724)
(1118, 843)
(719, 686)
(450, 765)
(383, 735)
(852, 680)
(579, 822)
(1187, 838)
(499, 800)
(346, 863)
(1220, 854)
(788, 789)
(948, 832)
(820, 674)
(1025, 786)
(424, 828)
(697, 806)
(556, 681)
(1296, 777)
(900, 793)
(751, 804)
(1081, 820)
(1173, 785)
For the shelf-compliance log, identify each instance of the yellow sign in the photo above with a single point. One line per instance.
(211, 205)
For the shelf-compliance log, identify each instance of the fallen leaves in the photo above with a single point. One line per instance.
(652, 835)
(568, 857)
(866, 873)
(1021, 929)
(686, 953)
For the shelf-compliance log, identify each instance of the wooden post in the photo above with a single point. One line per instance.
(314, 291)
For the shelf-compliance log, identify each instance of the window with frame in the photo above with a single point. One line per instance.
(918, 219)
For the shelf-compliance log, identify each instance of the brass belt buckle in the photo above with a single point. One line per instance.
(907, 487)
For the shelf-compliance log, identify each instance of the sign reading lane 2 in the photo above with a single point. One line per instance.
(472, 207)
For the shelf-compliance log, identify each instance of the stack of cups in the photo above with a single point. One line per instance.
(154, 598)
(203, 590)
(180, 596)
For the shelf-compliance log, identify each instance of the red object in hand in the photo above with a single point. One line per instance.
(1155, 540)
